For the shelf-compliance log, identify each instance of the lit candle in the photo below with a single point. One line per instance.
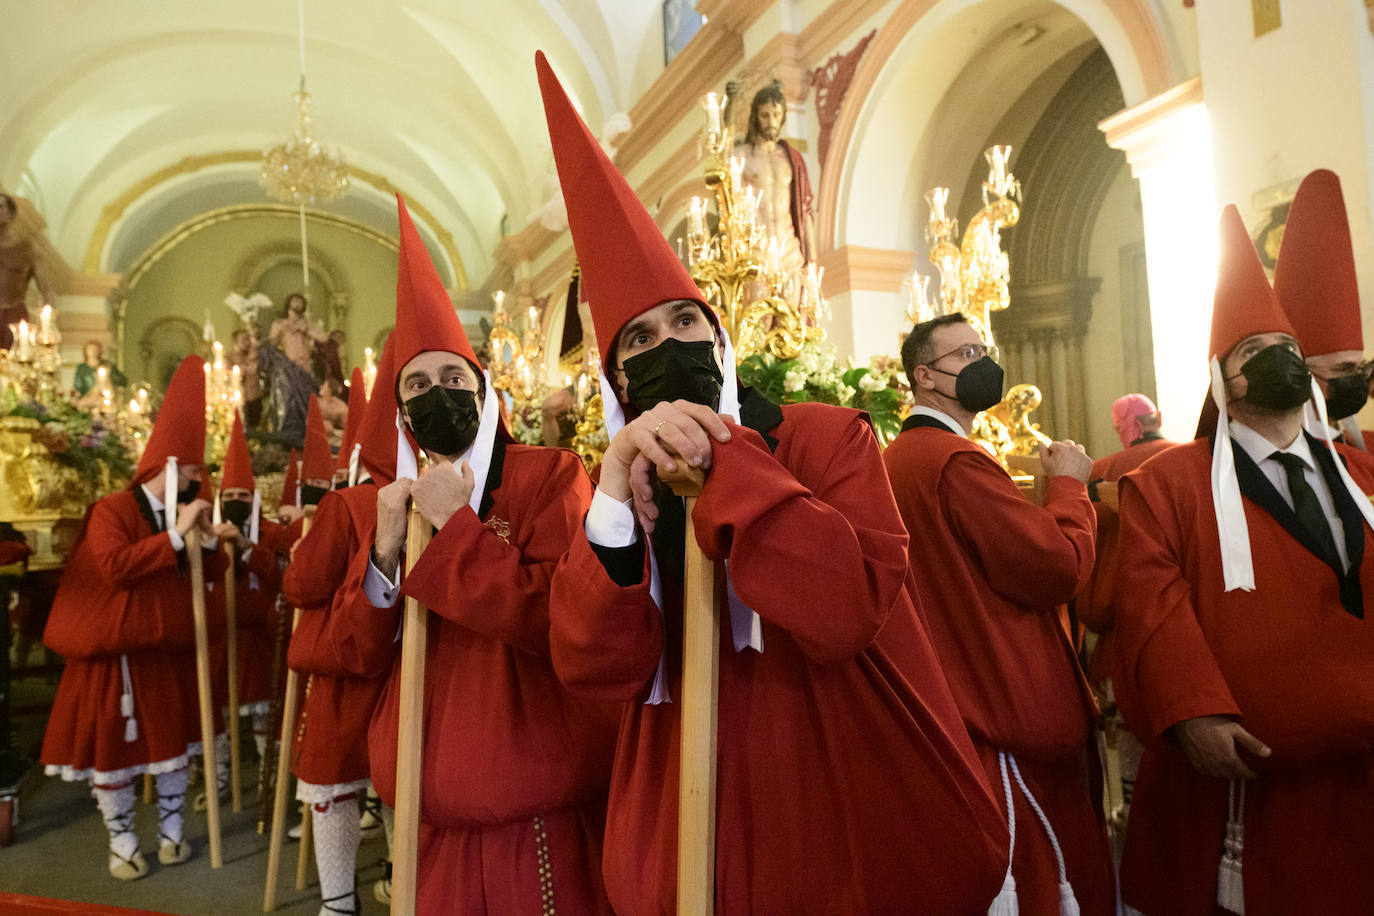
(714, 105)
(45, 324)
(500, 297)
(21, 341)
(581, 390)
(937, 198)
(998, 157)
(367, 359)
(736, 173)
(533, 319)
(696, 217)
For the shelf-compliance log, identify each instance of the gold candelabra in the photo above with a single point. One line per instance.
(31, 365)
(517, 361)
(765, 308)
(974, 281)
(223, 396)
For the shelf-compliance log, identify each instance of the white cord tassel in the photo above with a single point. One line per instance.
(1231, 871)
(126, 702)
(1005, 903)
(1068, 904)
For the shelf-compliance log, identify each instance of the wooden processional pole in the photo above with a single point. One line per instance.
(205, 689)
(696, 825)
(411, 740)
(290, 702)
(231, 648)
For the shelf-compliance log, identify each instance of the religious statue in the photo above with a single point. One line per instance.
(22, 250)
(243, 352)
(286, 360)
(777, 169)
(88, 370)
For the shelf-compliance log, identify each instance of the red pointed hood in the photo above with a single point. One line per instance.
(1244, 303)
(378, 433)
(290, 484)
(179, 431)
(357, 407)
(627, 266)
(317, 462)
(425, 317)
(238, 464)
(1315, 275)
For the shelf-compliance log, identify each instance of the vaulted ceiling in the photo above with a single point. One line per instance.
(123, 119)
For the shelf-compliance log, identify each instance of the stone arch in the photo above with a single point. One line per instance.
(1132, 33)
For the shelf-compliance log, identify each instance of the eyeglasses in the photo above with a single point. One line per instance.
(970, 352)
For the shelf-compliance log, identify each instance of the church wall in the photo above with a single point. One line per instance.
(198, 273)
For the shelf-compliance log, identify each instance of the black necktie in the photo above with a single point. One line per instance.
(1307, 507)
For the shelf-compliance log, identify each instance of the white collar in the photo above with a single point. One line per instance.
(154, 501)
(1260, 448)
(953, 424)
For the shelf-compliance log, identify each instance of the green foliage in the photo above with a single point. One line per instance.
(813, 376)
(77, 440)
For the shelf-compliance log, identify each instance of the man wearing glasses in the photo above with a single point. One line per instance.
(995, 571)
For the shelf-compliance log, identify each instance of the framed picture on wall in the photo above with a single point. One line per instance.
(680, 22)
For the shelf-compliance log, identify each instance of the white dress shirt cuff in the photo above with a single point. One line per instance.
(380, 590)
(610, 523)
(178, 542)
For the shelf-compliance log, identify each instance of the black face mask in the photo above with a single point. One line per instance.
(1345, 395)
(1276, 379)
(674, 370)
(978, 385)
(311, 494)
(185, 496)
(236, 510)
(444, 420)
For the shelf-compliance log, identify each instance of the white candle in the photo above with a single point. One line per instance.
(500, 298)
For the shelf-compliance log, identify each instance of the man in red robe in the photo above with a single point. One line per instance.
(515, 769)
(995, 572)
(1243, 657)
(845, 778)
(126, 704)
(262, 544)
(1315, 281)
(330, 762)
(348, 467)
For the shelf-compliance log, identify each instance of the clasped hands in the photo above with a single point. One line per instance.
(440, 491)
(660, 437)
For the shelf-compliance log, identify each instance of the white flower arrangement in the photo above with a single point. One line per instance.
(247, 307)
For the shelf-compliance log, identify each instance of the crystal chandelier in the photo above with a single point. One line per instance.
(300, 170)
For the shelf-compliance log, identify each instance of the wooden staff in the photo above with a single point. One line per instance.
(207, 702)
(266, 772)
(288, 724)
(696, 799)
(231, 648)
(411, 740)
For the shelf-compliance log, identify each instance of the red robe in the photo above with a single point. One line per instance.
(1094, 606)
(995, 571)
(124, 593)
(512, 762)
(845, 780)
(256, 611)
(1286, 658)
(331, 735)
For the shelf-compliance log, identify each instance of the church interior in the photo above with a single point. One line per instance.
(184, 176)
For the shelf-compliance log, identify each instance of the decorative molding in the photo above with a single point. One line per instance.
(831, 81)
(836, 23)
(243, 211)
(855, 267)
(735, 15)
(705, 63)
(115, 209)
(1145, 131)
(91, 284)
